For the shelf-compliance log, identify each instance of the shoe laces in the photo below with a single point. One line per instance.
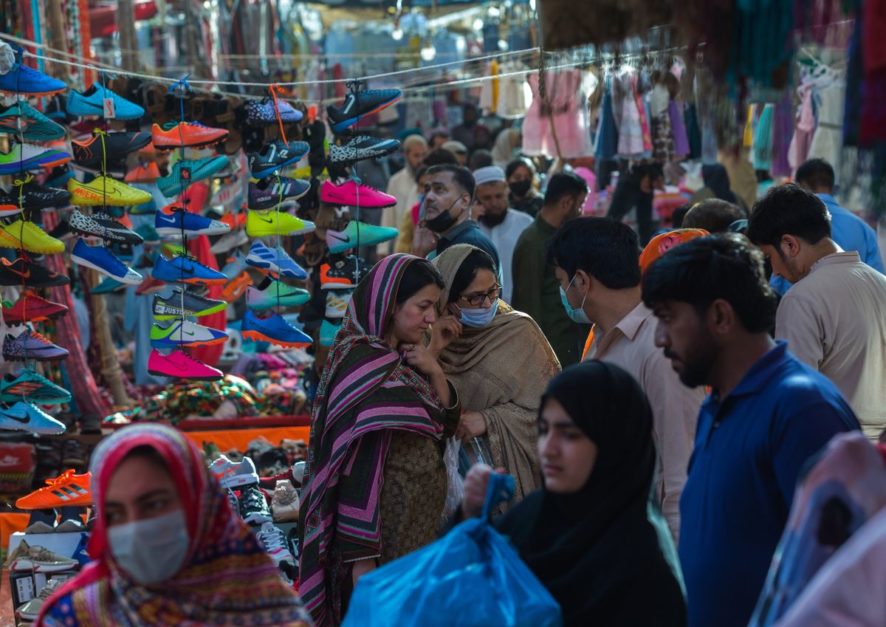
(271, 537)
(39, 336)
(65, 477)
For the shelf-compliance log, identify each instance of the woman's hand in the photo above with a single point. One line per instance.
(361, 567)
(476, 485)
(422, 359)
(471, 425)
(424, 241)
(443, 333)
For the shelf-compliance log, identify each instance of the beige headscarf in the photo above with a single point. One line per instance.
(501, 370)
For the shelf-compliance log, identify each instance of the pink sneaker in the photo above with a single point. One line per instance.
(353, 195)
(181, 366)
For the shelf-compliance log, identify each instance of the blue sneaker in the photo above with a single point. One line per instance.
(24, 80)
(183, 269)
(274, 330)
(103, 260)
(180, 219)
(235, 265)
(24, 416)
(276, 156)
(92, 102)
(264, 112)
(189, 171)
(275, 260)
(328, 330)
(184, 333)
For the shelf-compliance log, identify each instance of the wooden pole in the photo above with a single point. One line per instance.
(57, 37)
(126, 30)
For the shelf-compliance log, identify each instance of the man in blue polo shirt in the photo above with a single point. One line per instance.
(766, 416)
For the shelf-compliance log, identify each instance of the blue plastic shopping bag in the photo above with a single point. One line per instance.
(470, 577)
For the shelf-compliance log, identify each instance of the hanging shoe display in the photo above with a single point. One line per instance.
(273, 329)
(107, 192)
(186, 135)
(271, 294)
(269, 223)
(352, 194)
(27, 157)
(271, 192)
(31, 307)
(358, 234)
(360, 148)
(275, 260)
(23, 120)
(180, 365)
(185, 334)
(175, 220)
(178, 305)
(276, 156)
(359, 104)
(21, 79)
(184, 269)
(92, 103)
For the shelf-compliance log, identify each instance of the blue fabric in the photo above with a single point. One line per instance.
(750, 449)
(468, 232)
(851, 233)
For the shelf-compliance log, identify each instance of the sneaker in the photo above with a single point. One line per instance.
(236, 287)
(271, 192)
(103, 150)
(37, 559)
(27, 195)
(269, 223)
(148, 233)
(353, 194)
(30, 610)
(25, 235)
(31, 345)
(337, 303)
(40, 527)
(104, 226)
(66, 490)
(272, 294)
(25, 157)
(184, 269)
(22, 271)
(273, 541)
(170, 307)
(190, 171)
(24, 416)
(273, 329)
(150, 286)
(21, 79)
(358, 234)
(253, 506)
(236, 264)
(233, 501)
(298, 472)
(275, 260)
(360, 148)
(285, 503)
(180, 365)
(276, 156)
(108, 286)
(103, 260)
(107, 192)
(143, 173)
(175, 220)
(30, 307)
(71, 525)
(34, 126)
(92, 103)
(34, 387)
(328, 331)
(343, 273)
(185, 334)
(186, 134)
(234, 474)
(264, 111)
(358, 105)
(230, 241)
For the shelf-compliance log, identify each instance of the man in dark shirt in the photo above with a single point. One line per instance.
(635, 190)
(449, 196)
(767, 415)
(536, 288)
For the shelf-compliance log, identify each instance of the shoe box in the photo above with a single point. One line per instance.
(17, 467)
(26, 586)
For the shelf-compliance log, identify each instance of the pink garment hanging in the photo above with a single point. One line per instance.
(566, 105)
(799, 150)
(630, 129)
(644, 119)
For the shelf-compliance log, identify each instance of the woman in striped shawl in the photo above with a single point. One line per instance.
(377, 483)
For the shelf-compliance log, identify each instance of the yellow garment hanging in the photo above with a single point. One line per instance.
(496, 84)
(748, 140)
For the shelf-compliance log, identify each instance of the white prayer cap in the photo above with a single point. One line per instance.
(489, 174)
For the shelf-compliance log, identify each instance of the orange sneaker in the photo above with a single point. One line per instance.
(186, 134)
(144, 173)
(236, 288)
(66, 490)
(234, 220)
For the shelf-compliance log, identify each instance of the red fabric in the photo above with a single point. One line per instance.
(873, 42)
(199, 247)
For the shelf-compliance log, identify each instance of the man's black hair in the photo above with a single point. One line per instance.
(713, 215)
(480, 158)
(789, 210)
(462, 176)
(605, 249)
(564, 184)
(816, 174)
(439, 156)
(717, 267)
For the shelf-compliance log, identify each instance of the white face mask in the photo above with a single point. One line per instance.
(152, 550)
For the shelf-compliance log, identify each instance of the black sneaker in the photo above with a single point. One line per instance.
(343, 273)
(88, 154)
(103, 226)
(170, 308)
(275, 156)
(358, 105)
(33, 196)
(22, 271)
(254, 506)
(360, 148)
(272, 191)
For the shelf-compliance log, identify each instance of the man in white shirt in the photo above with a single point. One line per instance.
(833, 314)
(402, 185)
(500, 223)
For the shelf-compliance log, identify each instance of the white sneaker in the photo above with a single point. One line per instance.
(273, 542)
(230, 241)
(231, 475)
(337, 303)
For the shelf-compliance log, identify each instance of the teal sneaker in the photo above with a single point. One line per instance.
(107, 286)
(271, 294)
(32, 387)
(358, 234)
(190, 171)
(35, 126)
(328, 331)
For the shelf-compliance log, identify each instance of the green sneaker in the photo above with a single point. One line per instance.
(33, 388)
(271, 294)
(35, 126)
(107, 286)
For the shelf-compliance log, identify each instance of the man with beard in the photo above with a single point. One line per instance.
(446, 212)
(767, 415)
(500, 223)
(536, 290)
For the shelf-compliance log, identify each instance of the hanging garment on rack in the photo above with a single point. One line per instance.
(559, 125)
(693, 131)
(782, 130)
(662, 137)
(676, 114)
(490, 90)
(762, 153)
(627, 116)
(512, 102)
(799, 150)
(607, 133)
(827, 141)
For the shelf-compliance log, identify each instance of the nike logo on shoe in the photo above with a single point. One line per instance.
(12, 416)
(344, 240)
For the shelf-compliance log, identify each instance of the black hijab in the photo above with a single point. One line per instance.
(595, 550)
(716, 178)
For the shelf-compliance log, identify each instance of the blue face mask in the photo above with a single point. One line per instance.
(576, 314)
(478, 317)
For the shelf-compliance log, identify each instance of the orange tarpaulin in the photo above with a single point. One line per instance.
(10, 523)
(240, 438)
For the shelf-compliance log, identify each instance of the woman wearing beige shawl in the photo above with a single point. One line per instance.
(498, 360)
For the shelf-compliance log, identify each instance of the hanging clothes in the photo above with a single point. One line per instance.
(782, 129)
(662, 136)
(762, 153)
(799, 150)
(490, 90)
(627, 115)
(606, 141)
(558, 125)
(827, 142)
(676, 110)
(512, 103)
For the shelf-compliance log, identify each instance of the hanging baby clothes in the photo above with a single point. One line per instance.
(662, 138)
(678, 129)
(607, 134)
(828, 139)
(512, 102)
(568, 137)
(799, 150)
(627, 115)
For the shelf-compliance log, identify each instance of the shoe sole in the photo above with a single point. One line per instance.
(170, 231)
(97, 268)
(351, 202)
(338, 127)
(337, 286)
(257, 519)
(273, 269)
(196, 314)
(108, 237)
(35, 567)
(160, 373)
(238, 481)
(160, 143)
(172, 344)
(37, 318)
(258, 336)
(35, 356)
(262, 174)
